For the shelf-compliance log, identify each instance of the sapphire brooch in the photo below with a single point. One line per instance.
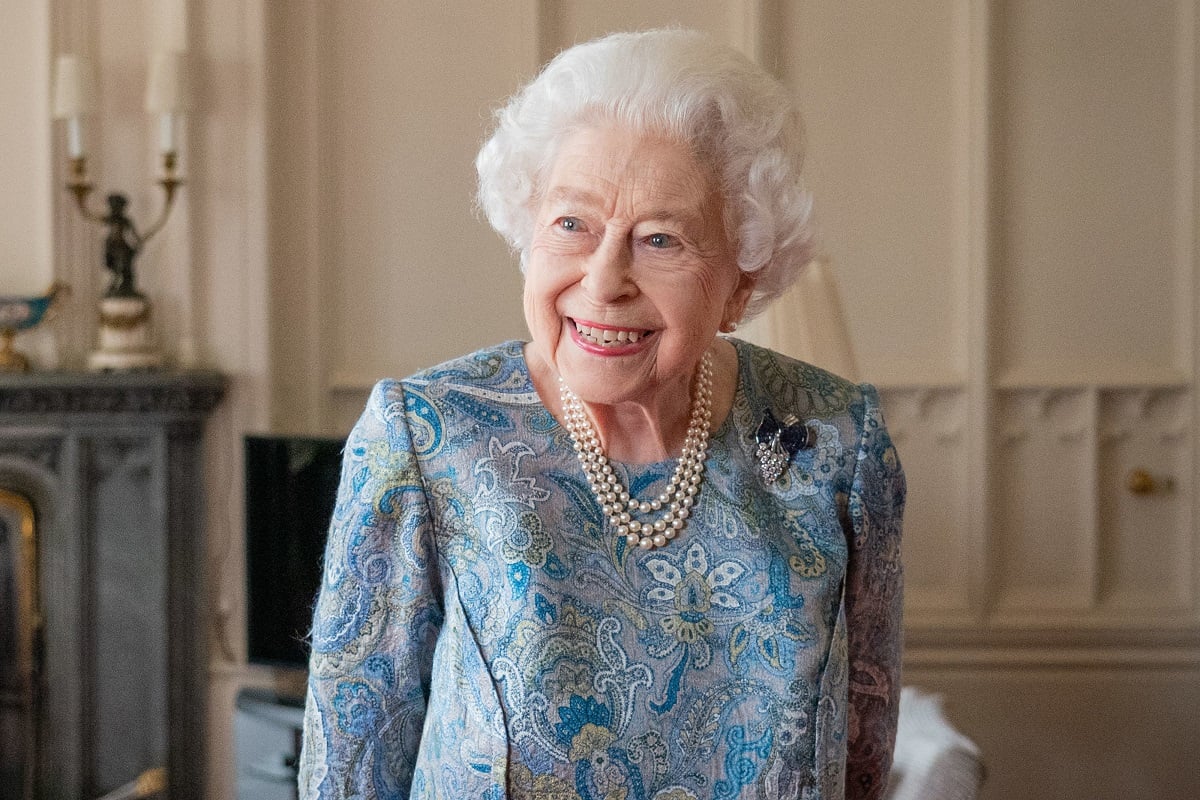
(778, 442)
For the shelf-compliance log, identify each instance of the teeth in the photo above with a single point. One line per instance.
(608, 337)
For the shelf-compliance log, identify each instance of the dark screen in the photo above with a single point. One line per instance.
(291, 485)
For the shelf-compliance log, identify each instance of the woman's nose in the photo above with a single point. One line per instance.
(606, 272)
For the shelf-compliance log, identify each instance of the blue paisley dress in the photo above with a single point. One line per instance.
(482, 633)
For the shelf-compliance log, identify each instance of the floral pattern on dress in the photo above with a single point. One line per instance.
(481, 632)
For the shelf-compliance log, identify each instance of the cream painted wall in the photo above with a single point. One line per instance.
(380, 108)
(25, 226)
(26, 265)
(1007, 193)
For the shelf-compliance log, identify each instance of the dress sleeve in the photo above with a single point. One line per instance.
(377, 617)
(874, 583)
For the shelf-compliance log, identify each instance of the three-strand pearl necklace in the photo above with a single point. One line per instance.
(676, 501)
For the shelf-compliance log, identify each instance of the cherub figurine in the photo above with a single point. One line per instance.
(120, 248)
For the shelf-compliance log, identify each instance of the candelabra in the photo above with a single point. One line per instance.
(125, 336)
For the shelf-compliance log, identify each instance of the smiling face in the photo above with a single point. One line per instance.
(629, 274)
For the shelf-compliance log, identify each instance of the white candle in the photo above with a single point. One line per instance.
(166, 95)
(73, 97)
(166, 132)
(75, 137)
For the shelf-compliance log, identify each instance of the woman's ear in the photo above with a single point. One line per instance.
(735, 306)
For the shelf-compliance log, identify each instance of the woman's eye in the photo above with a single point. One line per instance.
(661, 240)
(570, 224)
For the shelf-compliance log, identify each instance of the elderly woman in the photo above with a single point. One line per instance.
(629, 558)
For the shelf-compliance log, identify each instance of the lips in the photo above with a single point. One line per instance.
(609, 337)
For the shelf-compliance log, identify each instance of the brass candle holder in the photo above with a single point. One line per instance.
(81, 188)
(125, 335)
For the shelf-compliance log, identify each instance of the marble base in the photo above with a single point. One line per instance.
(125, 336)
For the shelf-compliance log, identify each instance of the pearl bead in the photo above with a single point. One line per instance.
(682, 486)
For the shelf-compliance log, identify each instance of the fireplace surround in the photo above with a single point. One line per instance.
(110, 464)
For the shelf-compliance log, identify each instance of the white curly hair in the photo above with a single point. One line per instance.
(680, 84)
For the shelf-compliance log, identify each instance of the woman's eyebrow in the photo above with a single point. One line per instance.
(573, 195)
(680, 215)
(684, 211)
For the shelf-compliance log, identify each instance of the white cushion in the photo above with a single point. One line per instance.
(933, 761)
